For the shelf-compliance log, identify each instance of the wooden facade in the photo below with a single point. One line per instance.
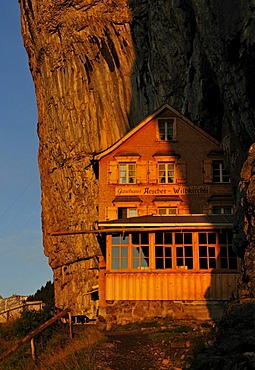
(166, 208)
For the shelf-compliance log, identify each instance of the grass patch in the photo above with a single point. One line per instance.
(54, 347)
(59, 353)
(77, 354)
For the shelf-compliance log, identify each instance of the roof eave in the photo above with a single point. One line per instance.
(148, 119)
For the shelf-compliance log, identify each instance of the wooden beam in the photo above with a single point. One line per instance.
(70, 325)
(33, 349)
(139, 229)
(34, 333)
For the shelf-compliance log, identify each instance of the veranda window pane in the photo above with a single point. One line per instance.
(231, 253)
(233, 263)
(115, 251)
(223, 252)
(168, 238)
(188, 238)
(158, 238)
(189, 263)
(135, 238)
(203, 263)
(115, 264)
(202, 251)
(135, 252)
(144, 238)
(124, 239)
(168, 252)
(179, 261)
(159, 251)
(202, 238)
(116, 239)
(178, 238)
(211, 252)
(145, 256)
(179, 252)
(211, 238)
(224, 263)
(135, 263)
(159, 263)
(188, 251)
(124, 252)
(212, 263)
(124, 263)
(168, 263)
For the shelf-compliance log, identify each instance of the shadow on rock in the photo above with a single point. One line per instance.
(233, 346)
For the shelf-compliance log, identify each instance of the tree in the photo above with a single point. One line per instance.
(44, 294)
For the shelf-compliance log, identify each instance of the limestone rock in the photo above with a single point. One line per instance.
(99, 67)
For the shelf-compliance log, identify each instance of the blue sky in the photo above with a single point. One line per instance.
(23, 266)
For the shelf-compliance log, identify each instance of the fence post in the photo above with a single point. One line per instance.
(33, 350)
(70, 325)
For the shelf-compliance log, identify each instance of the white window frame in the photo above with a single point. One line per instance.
(220, 172)
(222, 210)
(130, 210)
(127, 255)
(163, 173)
(125, 172)
(167, 129)
(168, 211)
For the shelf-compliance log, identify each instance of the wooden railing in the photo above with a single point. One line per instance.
(21, 307)
(33, 333)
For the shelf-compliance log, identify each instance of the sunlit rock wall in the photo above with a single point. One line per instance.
(99, 67)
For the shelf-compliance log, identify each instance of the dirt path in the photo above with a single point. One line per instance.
(160, 347)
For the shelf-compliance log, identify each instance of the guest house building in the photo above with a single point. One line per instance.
(166, 211)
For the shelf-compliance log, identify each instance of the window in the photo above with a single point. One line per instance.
(207, 250)
(163, 250)
(227, 257)
(162, 211)
(130, 251)
(219, 172)
(166, 173)
(166, 129)
(184, 250)
(124, 212)
(227, 210)
(119, 258)
(127, 173)
(173, 250)
(140, 250)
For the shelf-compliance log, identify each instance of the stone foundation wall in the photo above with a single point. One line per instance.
(122, 312)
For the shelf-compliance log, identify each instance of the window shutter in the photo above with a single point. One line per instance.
(111, 213)
(141, 172)
(113, 172)
(153, 172)
(207, 171)
(152, 210)
(142, 211)
(181, 172)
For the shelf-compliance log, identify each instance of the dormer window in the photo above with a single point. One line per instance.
(166, 129)
(127, 173)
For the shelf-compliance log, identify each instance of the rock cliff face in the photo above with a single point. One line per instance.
(99, 67)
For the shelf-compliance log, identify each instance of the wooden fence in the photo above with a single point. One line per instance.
(15, 310)
(33, 333)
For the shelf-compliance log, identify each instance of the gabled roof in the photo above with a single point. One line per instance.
(146, 121)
